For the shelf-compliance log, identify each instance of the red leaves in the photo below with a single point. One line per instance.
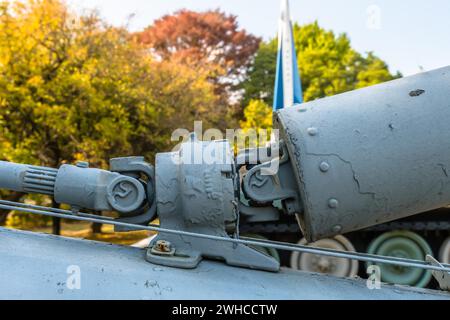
(199, 38)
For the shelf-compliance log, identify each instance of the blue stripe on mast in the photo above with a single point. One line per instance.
(278, 96)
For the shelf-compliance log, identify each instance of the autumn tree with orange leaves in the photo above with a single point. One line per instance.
(208, 40)
(74, 88)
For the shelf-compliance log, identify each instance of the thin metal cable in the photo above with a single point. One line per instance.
(65, 214)
(363, 255)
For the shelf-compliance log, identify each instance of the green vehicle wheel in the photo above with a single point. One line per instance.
(269, 251)
(402, 244)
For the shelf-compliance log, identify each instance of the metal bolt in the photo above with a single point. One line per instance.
(337, 228)
(324, 166)
(333, 203)
(82, 164)
(193, 137)
(324, 264)
(313, 131)
(163, 246)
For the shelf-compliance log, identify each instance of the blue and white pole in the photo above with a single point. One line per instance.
(288, 89)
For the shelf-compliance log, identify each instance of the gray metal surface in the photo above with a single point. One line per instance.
(198, 195)
(27, 178)
(371, 155)
(35, 266)
(122, 189)
(442, 277)
(79, 186)
(242, 240)
(347, 162)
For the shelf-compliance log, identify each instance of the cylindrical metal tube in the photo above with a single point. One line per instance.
(26, 178)
(77, 186)
(372, 155)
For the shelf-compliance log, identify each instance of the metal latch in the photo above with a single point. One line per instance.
(442, 277)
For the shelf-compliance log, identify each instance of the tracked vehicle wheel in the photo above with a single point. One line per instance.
(444, 252)
(402, 244)
(339, 267)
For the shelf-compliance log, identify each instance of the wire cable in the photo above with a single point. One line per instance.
(66, 214)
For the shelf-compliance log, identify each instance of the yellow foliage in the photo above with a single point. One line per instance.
(258, 115)
(257, 126)
(74, 88)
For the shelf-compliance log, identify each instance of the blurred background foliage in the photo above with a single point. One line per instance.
(73, 87)
(328, 65)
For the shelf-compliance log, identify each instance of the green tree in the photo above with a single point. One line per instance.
(258, 115)
(328, 65)
(256, 128)
(74, 88)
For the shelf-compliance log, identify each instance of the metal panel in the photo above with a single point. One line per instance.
(34, 266)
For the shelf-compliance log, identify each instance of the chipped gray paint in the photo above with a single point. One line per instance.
(200, 198)
(34, 267)
(387, 148)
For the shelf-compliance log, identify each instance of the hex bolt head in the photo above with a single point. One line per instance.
(333, 203)
(163, 246)
(312, 131)
(324, 166)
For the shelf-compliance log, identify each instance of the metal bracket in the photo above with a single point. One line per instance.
(196, 191)
(442, 277)
(272, 181)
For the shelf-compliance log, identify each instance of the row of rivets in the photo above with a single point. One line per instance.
(324, 167)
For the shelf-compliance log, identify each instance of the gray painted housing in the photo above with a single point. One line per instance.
(371, 155)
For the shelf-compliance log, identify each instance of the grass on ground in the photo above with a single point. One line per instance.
(83, 230)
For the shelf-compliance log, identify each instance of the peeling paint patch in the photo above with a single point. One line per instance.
(416, 93)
